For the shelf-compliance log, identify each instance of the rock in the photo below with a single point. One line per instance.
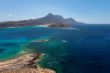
(23, 64)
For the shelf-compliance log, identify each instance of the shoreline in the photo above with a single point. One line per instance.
(46, 26)
(23, 64)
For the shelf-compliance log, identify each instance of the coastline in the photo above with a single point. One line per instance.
(47, 26)
(23, 64)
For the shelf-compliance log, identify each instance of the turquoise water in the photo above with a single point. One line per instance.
(13, 40)
(66, 51)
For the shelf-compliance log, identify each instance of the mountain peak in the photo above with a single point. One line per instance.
(59, 18)
(49, 14)
(52, 16)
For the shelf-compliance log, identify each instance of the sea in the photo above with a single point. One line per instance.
(85, 49)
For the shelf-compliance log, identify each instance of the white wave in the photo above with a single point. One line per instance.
(64, 41)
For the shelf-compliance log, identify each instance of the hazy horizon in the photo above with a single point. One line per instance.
(87, 11)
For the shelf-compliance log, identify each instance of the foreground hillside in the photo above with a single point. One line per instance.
(29, 70)
(23, 64)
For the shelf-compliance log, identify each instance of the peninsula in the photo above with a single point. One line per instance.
(49, 20)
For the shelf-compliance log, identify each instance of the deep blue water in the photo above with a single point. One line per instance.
(67, 51)
(2, 50)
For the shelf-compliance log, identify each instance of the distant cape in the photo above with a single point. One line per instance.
(50, 20)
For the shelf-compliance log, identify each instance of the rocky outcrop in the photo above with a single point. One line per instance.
(29, 70)
(23, 64)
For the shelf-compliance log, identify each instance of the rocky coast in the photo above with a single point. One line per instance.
(23, 64)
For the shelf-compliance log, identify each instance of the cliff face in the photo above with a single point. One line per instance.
(50, 18)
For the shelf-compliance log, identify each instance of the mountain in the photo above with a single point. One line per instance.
(58, 18)
(50, 20)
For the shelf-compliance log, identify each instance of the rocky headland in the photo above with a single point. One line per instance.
(23, 64)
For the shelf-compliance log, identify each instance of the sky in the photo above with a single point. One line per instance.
(87, 11)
